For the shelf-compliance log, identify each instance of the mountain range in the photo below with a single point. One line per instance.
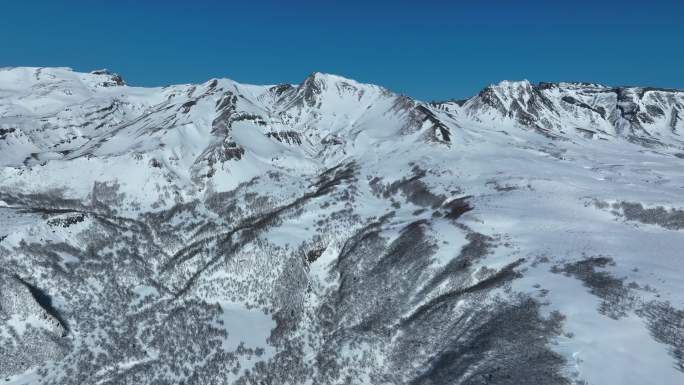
(334, 232)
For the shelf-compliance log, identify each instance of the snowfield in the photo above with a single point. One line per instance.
(334, 232)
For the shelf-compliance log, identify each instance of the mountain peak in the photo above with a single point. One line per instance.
(524, 83)
(334, 86)
(324, 80)
(114, 78)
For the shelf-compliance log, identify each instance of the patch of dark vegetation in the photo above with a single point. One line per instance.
(225, 203)
(314, 254)
(494, 280)
(6, 131)
(247, 229)
(67, 220)
(464, 335)
(249, 117)
(617, 298)
(666, 325)
(333, 177)
(412, 188)
(117, 255)
(672, 219)
(505, 343)
(459, 268)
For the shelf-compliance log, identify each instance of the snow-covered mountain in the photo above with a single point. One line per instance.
(333, 232)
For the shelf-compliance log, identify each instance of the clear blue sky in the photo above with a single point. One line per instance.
(427, 49)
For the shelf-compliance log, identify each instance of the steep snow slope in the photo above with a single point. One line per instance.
(335, 232)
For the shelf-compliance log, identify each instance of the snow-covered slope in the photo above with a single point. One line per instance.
(334, 232)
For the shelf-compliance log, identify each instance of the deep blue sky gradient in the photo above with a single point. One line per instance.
(427, 49)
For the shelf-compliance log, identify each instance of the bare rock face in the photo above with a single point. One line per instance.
(644, 115)
(114, 79)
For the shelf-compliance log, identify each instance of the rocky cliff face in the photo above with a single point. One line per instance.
(649, 116)
(334, 232)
